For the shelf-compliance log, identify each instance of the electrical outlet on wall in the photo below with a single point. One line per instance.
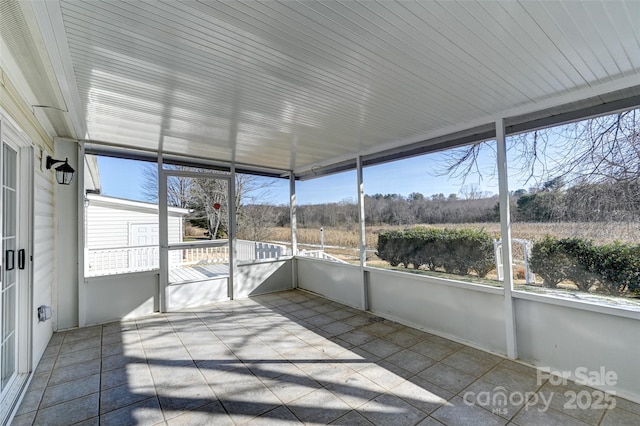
(44, 313)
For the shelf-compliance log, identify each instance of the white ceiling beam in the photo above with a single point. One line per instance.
(49, 20)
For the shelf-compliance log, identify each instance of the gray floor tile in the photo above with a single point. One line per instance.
(495, 399)
(340, 314)
(411, 361)
(83, 334)
(429, 421)
(357, 337)
(404, 338)
(539, 416)
(513, 365)
(289, 388)
(305, 355)
(74, 358)
(319, 320)
(381, 347)
(437, 350)
(328, 372)
(175, 401)
(380, 329)
(115, 362)
(278, 416)
(419, 397)
(304, 313)
(382, 376)
(448, 378)
(457, 412)
(620, 417)
(52, 351)
(358, 320)
(388, 409)
(73, 372)
(174, 376)
(320, 406)
(355, 390)
(334, 350)
(589, 408)
(337, 327)
(24, 419)
(434, 389)
(79, 345)
(249, 404)
(67, 391)
(211, 414)
(57, 338)
(46, 364)
(512, 380)
(352, 418)
(94, 421)
(627, 405)
(116, 348)
(69, 412)
(30, 401)
(328, 307)
(472, 361)
(255, 361)
(115, 398)
(145, 412)
(364, 354)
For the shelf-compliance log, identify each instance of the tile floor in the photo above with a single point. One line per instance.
(289, 357)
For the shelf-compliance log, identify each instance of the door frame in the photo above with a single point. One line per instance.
(10, 135)
(163, 176)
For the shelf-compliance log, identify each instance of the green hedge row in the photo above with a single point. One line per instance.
(454, 251)
(612, 268)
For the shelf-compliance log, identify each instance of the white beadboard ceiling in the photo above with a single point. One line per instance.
(300, 85)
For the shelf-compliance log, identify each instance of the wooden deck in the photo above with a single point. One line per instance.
(198, 273)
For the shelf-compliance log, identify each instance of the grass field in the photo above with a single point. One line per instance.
(599, 233)
(343, 243)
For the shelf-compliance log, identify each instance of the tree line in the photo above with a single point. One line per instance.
(554, 201)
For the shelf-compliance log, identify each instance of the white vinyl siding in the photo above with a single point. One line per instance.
(109, 226)
(43, 255)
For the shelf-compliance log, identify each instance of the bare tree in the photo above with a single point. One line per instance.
(208, 197)
(588, 170)
(256, 221)
(178, 188)
(596, 150)
(210, 201)
(473, 192)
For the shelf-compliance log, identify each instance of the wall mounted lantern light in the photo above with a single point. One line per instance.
(64, 172)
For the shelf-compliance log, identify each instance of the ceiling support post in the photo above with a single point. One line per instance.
(293, 222)
(505, 231)
(363, 235)
(233, 233)
(163, 211)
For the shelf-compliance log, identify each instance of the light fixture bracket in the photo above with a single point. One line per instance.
(64, 172)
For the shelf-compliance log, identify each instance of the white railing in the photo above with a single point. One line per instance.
(319, 254)
(527, 246)
(254, 250)
(122, 260)
(201, 255)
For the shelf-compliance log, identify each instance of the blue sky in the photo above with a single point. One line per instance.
(124, 178)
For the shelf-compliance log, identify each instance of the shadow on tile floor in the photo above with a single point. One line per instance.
(288, 358)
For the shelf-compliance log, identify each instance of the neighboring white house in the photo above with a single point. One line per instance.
(123, 235)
